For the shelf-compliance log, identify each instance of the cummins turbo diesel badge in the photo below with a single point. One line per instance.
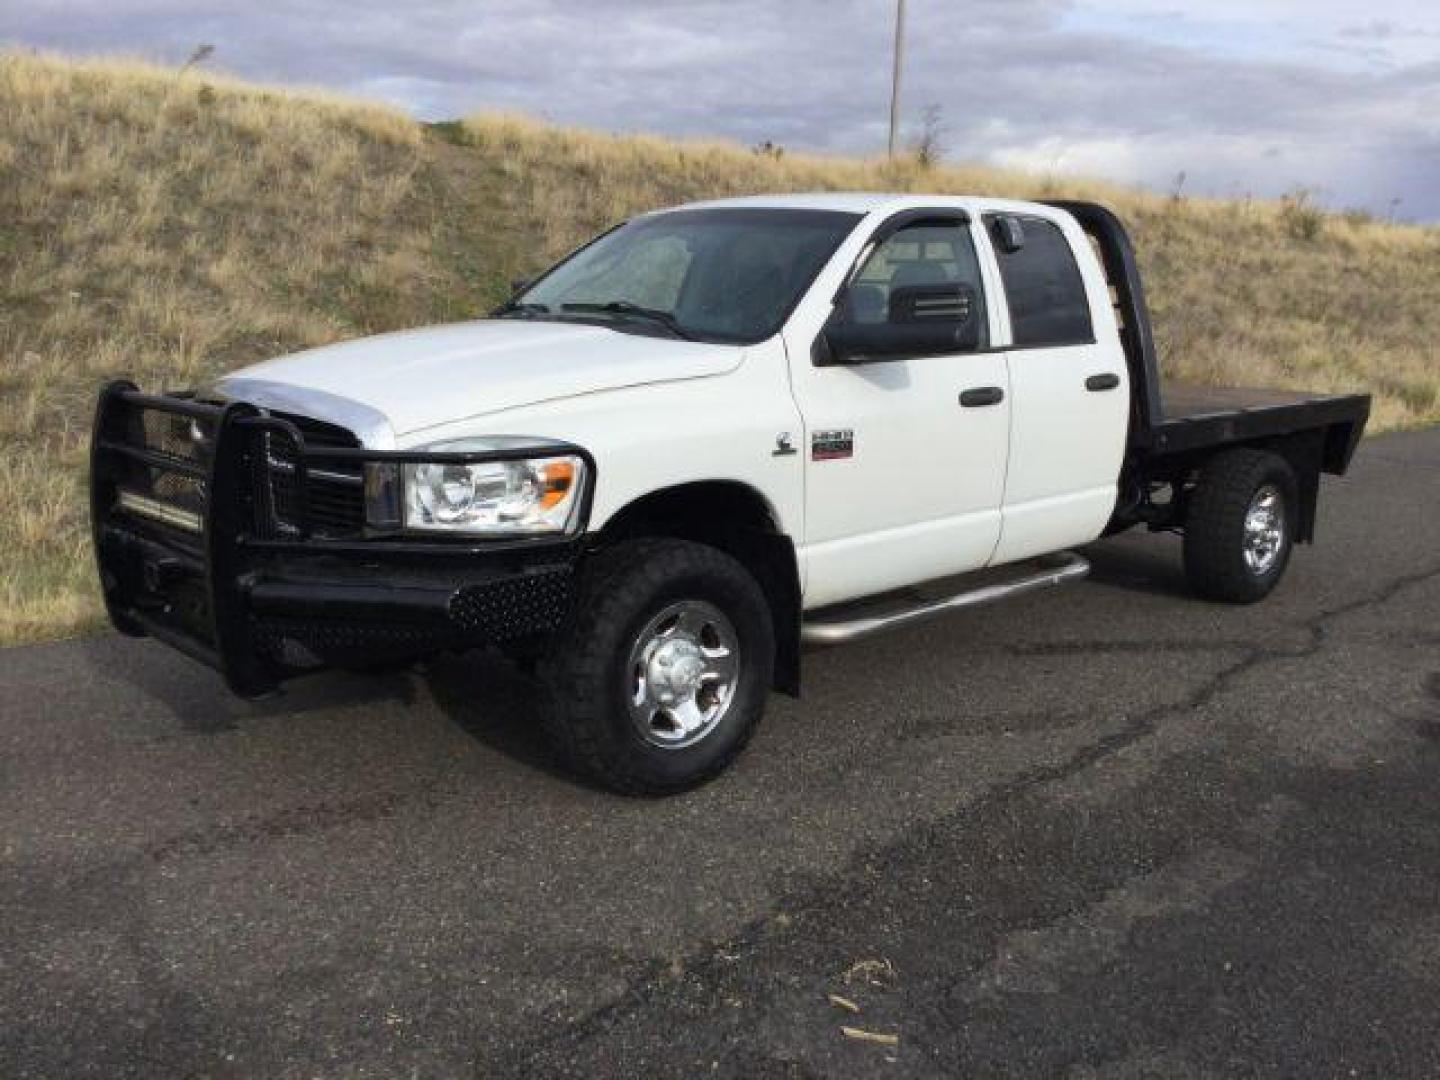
(830, 445)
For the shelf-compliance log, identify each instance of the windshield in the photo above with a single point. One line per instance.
(729, 275)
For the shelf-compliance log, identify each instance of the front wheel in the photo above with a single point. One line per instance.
(1240, 526)
(662, 675)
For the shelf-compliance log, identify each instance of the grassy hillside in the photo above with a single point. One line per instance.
(171, 226)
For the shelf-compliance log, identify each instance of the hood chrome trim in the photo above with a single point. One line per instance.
(369, 425)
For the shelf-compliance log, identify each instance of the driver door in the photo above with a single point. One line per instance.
(905, 454)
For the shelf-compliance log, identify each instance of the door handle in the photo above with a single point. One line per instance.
(1108, 381)
(981, 396)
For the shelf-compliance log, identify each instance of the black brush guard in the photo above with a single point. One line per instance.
(204, 543)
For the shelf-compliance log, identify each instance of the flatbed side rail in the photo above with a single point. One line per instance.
(1341, 418)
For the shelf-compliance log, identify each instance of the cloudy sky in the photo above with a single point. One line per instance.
(1242, 95)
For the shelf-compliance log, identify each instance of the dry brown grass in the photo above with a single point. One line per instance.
(170, 226)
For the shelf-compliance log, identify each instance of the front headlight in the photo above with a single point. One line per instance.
(520, 496)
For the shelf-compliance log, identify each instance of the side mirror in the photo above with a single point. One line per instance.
(1009, 233)
(520, 284)
(924, 320)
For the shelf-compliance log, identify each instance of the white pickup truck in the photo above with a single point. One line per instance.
(709, 436)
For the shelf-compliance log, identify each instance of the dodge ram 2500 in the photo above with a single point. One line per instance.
(708, 437)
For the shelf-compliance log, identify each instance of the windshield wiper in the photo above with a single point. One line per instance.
(519, 307)
(625, 307)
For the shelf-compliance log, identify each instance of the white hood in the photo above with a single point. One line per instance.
(415, 379)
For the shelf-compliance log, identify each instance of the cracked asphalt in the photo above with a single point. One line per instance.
(1106, 830)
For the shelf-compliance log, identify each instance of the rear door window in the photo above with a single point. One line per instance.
(1048, 304)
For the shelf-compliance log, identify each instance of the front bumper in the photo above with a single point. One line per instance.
(189, 552)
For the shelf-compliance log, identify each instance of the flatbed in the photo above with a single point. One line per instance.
(1200, 417)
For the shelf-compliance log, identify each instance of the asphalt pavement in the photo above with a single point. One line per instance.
(1105, 830)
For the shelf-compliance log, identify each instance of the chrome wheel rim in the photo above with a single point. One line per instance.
(682, 674)
(1264, 530)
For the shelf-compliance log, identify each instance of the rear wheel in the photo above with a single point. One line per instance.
(663, 673)
(1240, 526)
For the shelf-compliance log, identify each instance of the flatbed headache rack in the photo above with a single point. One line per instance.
(1174, 431)
(1171, 423)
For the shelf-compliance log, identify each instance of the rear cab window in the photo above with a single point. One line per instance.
(1043, 286)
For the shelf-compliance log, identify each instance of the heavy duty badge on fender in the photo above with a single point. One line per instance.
(831, 445)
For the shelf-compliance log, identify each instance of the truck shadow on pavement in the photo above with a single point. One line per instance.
(498, 705)
(479, 692)
(1129, 567)
(191, 692)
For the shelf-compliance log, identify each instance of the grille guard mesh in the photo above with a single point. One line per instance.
(220, 461)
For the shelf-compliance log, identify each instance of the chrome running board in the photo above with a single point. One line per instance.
(836, 629)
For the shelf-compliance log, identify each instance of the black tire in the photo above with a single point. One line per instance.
(1216, 563)
(589, 679)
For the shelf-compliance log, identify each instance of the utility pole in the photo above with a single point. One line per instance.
(895, 72)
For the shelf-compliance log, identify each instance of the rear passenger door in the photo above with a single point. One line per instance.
(1069, 386)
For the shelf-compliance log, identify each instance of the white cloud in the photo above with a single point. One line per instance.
(1378, 33)
(1242, 95)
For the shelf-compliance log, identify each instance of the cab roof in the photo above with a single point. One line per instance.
(868, 202)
